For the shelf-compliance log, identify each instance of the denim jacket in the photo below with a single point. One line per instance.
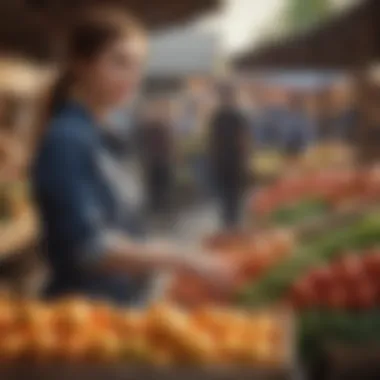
(80, 208)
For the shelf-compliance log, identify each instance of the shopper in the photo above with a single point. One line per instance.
(94, 243)
(298, 128)
(157, 148)
(229, 147)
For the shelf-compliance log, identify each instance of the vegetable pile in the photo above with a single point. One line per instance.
(277, 282)
(252, 254)
(350, 283)
(293, 199)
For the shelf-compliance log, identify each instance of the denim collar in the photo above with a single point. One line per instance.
(78, 109)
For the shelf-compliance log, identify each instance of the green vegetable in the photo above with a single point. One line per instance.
(317, 329)
(298, 212)
(274, 285)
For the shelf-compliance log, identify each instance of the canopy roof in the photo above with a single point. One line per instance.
(29, 26)
(348, 41)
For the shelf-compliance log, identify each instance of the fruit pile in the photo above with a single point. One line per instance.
(351, 282)
(76, 331)
(317, 191)
(252, 254)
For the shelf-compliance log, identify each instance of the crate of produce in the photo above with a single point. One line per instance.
(75, 339)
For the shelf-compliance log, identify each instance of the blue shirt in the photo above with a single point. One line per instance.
(80, 206)
(298, 130)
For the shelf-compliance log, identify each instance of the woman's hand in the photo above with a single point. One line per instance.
(214, 269)
(209, 267)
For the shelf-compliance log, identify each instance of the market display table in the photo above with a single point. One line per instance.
(60, 372)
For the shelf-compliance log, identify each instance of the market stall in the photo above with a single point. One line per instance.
(348, 42)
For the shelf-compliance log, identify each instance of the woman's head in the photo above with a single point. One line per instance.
(105, 52)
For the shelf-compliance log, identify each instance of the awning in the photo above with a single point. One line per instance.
(29, 26)
(349, 41)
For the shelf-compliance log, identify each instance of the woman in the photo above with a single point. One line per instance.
(93, 239)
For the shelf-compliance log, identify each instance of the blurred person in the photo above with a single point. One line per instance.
(299, 128)
(339, 116)
(157, 146)
(229, 147)
(271, 120)
(257, 116)
(94, 240)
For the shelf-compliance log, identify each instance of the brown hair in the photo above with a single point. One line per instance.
(92, 32)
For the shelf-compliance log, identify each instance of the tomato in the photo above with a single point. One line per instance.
(349, 270)
(264, 202)
(371, 263)
(303, 295)
(322, 279)
(336, 298)
(364, 295)
(372, 183)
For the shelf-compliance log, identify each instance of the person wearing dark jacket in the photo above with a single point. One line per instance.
(229, 141)
(157, 150)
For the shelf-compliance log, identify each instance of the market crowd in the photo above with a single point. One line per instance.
(209, 137)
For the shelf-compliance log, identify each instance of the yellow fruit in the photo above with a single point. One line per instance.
(130, 324)
(13, 346)
(137, 350)
(8, 314)
(105, 347)
(198, 348)
(72, 316)
(42, 345)
(73, 349)
(168, 323)
(34, 316)
(161, 357)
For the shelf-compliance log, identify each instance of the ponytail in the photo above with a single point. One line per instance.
(58, 93)
(51, 102)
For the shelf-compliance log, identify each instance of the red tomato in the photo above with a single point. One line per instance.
(364, 295)
(349, 270)
(303, 295)
(372, 183)
(322, 279)
(336, 298)
(371, 263)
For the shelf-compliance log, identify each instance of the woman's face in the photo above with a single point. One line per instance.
(115, 74)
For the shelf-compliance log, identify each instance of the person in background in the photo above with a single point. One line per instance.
(95, 245)
(157, 148)
(298, 129)
(347, 115)
(229, 143)
(339, 116)
(256, 117)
